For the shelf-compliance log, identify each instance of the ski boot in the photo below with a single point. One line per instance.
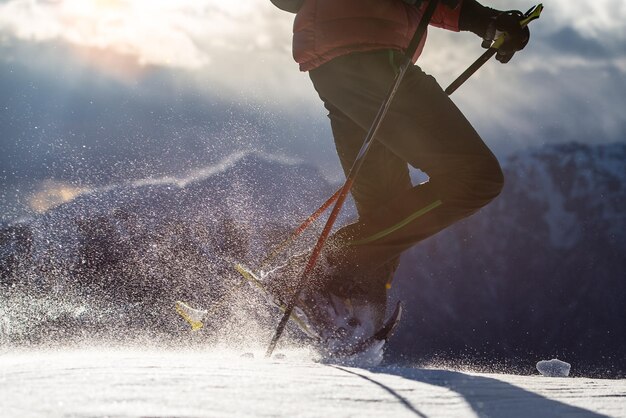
(342, 311)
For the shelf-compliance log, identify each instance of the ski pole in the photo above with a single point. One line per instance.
(299, 230)
(358, 162)
(531, 15)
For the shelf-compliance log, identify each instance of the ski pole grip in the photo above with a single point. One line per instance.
(531, 15)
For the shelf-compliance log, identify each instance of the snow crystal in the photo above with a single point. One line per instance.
(554, 368)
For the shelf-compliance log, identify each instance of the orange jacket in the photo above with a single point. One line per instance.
(326, 29)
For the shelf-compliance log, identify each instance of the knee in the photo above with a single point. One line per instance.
(488, 180)
(475, 184)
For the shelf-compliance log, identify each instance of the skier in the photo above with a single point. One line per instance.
(351, 50)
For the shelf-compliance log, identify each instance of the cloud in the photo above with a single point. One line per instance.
(241, 50)
(244, 46)
(183, 34)
(194, 34)
(599, 19)
(566, 86)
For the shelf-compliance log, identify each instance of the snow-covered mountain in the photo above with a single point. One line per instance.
(116, 259)
(540, 272)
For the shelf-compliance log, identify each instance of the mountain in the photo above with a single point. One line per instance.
(537, 274)
(114, 260)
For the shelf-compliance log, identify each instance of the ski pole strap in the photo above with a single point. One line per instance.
(531, 15)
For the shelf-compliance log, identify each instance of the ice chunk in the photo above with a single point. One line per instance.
(554, 368)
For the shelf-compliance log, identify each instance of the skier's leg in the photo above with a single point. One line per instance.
(422, 127)
(383, 177)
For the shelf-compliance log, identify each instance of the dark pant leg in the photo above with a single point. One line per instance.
(383, 177)
(424, 128)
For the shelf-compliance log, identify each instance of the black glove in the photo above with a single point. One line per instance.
(516, 37)
(489, 24)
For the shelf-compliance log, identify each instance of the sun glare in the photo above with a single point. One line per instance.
(148, 32)
(127, 38)
(151, 32)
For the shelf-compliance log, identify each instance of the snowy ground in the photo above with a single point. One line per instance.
(131, 382)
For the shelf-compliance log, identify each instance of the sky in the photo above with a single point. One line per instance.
(95, 92)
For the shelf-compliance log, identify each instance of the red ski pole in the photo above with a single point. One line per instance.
(356, 166)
